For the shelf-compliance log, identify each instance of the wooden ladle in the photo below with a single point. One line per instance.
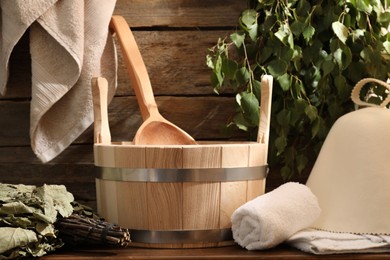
(155, 129)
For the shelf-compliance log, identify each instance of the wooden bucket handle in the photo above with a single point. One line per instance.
(101, 127)
(265, 109)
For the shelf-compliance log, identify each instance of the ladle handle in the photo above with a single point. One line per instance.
(102, 133)
(135, 66)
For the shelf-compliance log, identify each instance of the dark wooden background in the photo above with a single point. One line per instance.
(173, 37)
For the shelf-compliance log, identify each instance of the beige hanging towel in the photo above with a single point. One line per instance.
(69, 44)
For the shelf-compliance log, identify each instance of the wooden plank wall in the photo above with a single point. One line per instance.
(173, 37)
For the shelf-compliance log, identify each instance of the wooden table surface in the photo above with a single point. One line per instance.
(229, 252)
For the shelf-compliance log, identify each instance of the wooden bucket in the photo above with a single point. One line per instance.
(181, 196)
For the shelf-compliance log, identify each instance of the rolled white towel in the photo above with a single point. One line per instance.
(270, 219)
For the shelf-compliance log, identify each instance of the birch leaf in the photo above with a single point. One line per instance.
(15, 237)
(16, 207)
(47, 217)
(340, 30)
(238, 39)
(250, 105)
(56, 198)
(45, 229)
(8, 191)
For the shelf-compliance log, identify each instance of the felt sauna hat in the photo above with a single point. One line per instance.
(351, 177)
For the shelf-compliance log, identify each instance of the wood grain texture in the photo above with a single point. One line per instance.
(107, 207)
(255, 188)
(129, 157)
(175, 61)
(233, 195)
(202, 117)
(105, 157)
(164, 157)
(201, 208)
(235, 155)
(132, 198)
(165, 202)
(257, 154)
(202, 157)
(180, 13)
(201, 203)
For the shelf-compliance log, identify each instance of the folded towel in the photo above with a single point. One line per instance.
(69, 44)
(270, 219)
(324, 242)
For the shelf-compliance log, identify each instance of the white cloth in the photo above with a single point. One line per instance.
(270, 219)
(69, 44)
(324, 242)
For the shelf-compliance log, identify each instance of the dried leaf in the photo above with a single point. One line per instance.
(30, 212)
(15, 237)
(46, 229)
(16, 207)
(8, 192)
(55, 198)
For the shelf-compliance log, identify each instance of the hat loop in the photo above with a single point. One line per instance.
(355, 95)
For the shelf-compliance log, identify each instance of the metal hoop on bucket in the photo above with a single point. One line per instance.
(183, 175)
